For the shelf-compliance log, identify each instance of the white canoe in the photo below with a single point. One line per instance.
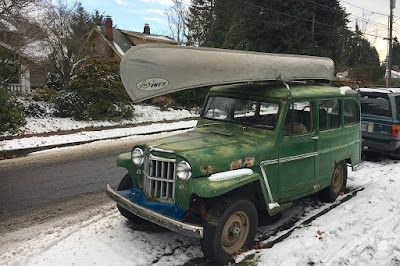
(152, 70)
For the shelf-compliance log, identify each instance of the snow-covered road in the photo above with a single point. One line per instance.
(364, 230)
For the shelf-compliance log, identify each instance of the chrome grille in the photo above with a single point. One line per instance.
(159, 177)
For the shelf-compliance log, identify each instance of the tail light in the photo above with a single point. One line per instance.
(395, 130)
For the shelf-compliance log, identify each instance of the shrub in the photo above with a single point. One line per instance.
(43, 94)
(95, 93)
(11, 113)
(190, 98)
(69, 104)
(164, 102)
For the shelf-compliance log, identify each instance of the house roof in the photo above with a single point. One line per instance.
(153, 37)
(121, 43)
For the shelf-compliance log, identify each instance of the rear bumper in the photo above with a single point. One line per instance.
(379, 146)
(155, 217)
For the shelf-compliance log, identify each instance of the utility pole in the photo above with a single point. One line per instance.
(390, 39)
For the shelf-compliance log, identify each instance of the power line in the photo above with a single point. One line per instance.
(373, 12)
(304, 19)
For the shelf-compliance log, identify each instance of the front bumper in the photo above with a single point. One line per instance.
(155, 217)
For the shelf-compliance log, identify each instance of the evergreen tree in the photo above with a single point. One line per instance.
(310, 27)
(396, 52)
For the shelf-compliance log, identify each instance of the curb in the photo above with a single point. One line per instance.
(11, 154)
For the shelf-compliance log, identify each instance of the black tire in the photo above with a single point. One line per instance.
(229, 226)
(126, 183)
(338, 183)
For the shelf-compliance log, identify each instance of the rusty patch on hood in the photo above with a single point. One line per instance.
(207, 170)
(248, 162)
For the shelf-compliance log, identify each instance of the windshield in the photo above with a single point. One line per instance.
(245, 112)
(375, 104)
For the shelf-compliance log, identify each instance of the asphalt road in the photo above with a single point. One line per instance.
(51, 176)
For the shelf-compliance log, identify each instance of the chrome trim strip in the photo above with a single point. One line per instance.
(298, 157)
(156, 158)
(152, 148)
(267, 162)
(357, 167)
(262, 164)
(155, 217)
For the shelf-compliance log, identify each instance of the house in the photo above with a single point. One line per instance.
(25, 52)
(112, 43)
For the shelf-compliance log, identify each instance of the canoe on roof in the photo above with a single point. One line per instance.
(152, 70)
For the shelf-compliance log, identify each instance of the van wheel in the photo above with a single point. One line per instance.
(338, 183)
(125, 184)
(229, 226)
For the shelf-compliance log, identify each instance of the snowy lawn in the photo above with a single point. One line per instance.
(48, 124)
(45, 122)
(364, 230)
(142, 114)
(82, 136)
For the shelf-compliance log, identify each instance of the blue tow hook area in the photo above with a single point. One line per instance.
(138, 197)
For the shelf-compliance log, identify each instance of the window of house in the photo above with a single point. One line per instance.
(350, 112)
(329, 114)
(298, 119)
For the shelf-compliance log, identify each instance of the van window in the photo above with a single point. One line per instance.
(298, 119)
(329, 116)
(350, 112)
(398, 107)
(375, 104)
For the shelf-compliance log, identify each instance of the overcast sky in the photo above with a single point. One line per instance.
(372, 16)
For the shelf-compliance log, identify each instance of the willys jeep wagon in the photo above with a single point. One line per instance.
(261, 142)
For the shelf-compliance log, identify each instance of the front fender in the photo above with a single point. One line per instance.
(124, 160)
(205, 188)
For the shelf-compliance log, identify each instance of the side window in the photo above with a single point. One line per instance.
(329, 116)
(298, 119)
(398, 107)
(350, 112)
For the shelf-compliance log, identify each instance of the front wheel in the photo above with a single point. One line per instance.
(338, 183)
(125, 184)
(229, 226)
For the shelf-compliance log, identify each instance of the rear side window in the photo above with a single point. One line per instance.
(375, 104)
(350, 112)
(298, 119)
(329, 116)
(398, 107)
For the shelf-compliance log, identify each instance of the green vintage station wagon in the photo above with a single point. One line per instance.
(257, 146)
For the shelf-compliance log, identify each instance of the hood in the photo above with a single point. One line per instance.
(215, 148)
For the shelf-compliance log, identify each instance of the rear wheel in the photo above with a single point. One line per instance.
(125, 184)
(338, 183)
(229, 226)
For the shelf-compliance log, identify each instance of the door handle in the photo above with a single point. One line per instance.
(315, 137)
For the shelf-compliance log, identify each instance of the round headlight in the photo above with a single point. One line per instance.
(183, 170)
(137, 156)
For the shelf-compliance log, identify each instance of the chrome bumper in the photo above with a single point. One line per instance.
(154, 217)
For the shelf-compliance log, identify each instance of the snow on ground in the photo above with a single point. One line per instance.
(43, 141)
(364, 230)
(142, 114)
(49, 124)
(106, 239)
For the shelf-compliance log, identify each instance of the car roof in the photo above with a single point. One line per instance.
(275, 90)
(381, 90)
